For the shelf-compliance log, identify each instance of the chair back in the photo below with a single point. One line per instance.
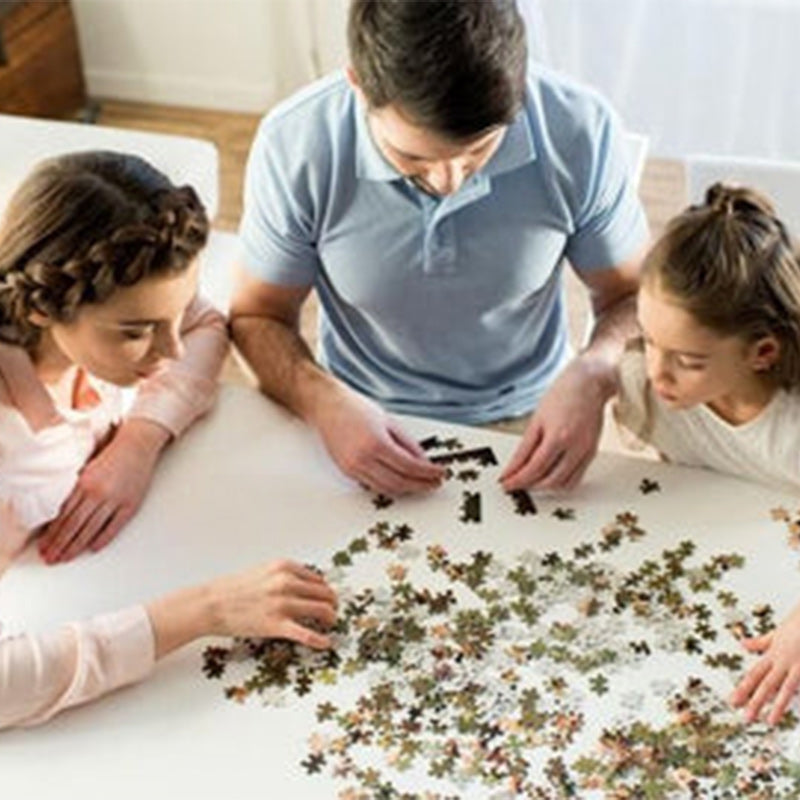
(25, 141)
(638, 145)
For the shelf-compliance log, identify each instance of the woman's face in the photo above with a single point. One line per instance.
(128, 337)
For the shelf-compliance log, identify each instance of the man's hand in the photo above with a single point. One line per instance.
(370, 447)
(561, 438)
(108, 492)
(776, 675)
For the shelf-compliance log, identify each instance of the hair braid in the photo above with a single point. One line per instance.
(82, 226)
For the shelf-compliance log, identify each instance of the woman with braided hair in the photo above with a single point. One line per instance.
(98, 291)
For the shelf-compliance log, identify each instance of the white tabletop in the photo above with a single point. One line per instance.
(248, 484)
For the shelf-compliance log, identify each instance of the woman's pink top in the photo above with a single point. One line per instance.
(42, 450)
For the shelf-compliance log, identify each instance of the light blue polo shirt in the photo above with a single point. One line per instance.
(450, 308)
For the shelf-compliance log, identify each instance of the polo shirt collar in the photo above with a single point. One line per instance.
(370, 163)
(516, 149)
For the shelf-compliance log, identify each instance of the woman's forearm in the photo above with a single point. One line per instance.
(180, 617)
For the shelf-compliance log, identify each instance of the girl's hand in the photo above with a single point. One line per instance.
(108, 492)
(775, 675)
(281, 599)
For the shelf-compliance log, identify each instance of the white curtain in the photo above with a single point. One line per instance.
(713, 76)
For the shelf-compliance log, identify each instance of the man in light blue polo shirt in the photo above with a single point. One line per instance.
(431, 197)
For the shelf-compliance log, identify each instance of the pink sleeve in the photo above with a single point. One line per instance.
(38, 470)
(176, 397)
(42, 675)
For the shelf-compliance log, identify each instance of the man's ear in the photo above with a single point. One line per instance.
(351, 76)
(352, 79)
(764, 353)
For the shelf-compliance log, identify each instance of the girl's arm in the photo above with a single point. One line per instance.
(38, 470)
(42, 675)
(14, 535)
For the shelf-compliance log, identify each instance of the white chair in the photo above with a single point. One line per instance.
(638, 145)
(778, 180)
(24, 141)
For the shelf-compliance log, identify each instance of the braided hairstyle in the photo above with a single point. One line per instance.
(83, 225)
(730, 263)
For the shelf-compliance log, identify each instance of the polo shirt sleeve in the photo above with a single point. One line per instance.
(610, 225)
(277, 228)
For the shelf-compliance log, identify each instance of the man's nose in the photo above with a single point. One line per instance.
(447, 177)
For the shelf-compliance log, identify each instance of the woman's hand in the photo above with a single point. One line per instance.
(281, 599)
(108, 493)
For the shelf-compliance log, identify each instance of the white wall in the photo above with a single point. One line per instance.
(229, 54)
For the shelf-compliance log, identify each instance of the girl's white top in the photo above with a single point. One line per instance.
(765, 449)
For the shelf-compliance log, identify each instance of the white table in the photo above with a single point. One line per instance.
(250, 483)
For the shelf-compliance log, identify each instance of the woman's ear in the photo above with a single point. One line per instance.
(764, 353)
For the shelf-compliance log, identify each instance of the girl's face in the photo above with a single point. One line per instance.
(689, 364)
(127, 338)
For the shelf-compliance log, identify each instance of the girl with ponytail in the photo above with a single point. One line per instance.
(714, 380)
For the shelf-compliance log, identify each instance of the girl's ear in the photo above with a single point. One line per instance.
(764, 353)
(39, 320)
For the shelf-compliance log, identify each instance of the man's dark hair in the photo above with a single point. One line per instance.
(456, 67)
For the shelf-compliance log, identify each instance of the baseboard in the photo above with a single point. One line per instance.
(179, 91)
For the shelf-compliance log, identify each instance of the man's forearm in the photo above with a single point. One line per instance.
(613, 327)
(282, 362)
